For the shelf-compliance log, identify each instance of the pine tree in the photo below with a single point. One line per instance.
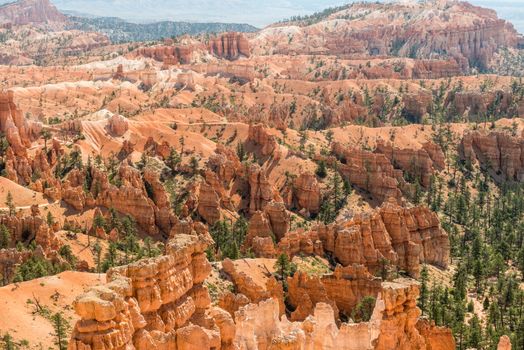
(5, 237)
(50, 219)
(110, 259)
(424, 292)
(10, 204)
(61, 328)
(284, 268)
(321, 171)
(364, 309)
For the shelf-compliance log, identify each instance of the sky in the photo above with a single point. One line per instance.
(256, 12)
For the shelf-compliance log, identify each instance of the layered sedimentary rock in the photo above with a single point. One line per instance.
(266, 227)
(404, 29)
(31, 12)
(118, 125)
(342, 290)
(154, 303)
(239, 72)
(420, 164)
(179, 54)
(306, 193)
(504, 343)
(390, 235)
(437, 338)
(229, 46)
(142, 197)
(255, 290)
(392, 326)
(266, 143)
(18, 130)
(497, 151)
(261, 191)
(23, 230)
(370, 171)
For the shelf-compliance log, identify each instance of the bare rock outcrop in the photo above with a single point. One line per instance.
(370, 171)
(306, 191)
(497, 151)
(266, 143)
(154, 303)
(179, 54)
(471, 38)
(31, 12)
(392, 326)
(342, 290)
(141, 196)
(418, 163)
(255, 290)
(19, 131)
(118, 125)
(230, 46)
(504, 343)
(393, 234)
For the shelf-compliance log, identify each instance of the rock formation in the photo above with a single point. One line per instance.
(25, 229)
(229, 46)
(504, 343)
(419, 164)
(392, 326)
(471, 38)
(19, 131)
(255, 290)
(342, 289)
(266, 143)
(497, 151)
(118, 125)
(35, 12)
(154, 303)
(130, 197)
(370, 171)
(306, 193)
(393, 234)
(181, 54)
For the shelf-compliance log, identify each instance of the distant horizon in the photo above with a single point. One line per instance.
(255, 12)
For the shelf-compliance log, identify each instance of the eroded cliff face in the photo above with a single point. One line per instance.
(179, 54)
(404, 237)
(24, 229)
(370, 171)
(19, 131)
(392, 234)
(342, 290)
(159, 303)
(230, 46)
(392, 326)
(498, 151)
(469, 34)
(31, 12)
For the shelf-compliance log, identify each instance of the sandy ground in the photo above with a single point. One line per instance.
(22, 197)
(56, 293)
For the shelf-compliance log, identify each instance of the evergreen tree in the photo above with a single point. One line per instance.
(10, 204)
(364, 309)
(321, 171)
(284, 268)
(5, 237)
(424, 291)
(61, 328)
